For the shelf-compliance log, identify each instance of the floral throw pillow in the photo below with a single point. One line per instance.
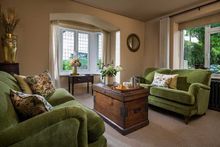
(29, 105)
(161, 80)
(41, 84)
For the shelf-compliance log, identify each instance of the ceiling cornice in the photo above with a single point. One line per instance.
(152, 19)
(106, 10)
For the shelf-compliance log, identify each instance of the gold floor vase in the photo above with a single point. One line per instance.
(9, 48)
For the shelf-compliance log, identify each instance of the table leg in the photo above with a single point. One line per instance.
(72, 87)
(87, 87)
(69, 84)
(92, 84)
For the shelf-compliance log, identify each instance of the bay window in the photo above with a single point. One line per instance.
(87, 46)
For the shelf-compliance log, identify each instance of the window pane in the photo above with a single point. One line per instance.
(100, 47)
(194, 40)
(215, 53)
(68, 48)
(83, 49)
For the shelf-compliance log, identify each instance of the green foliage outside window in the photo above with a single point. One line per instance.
(84, 63)
(194, 52)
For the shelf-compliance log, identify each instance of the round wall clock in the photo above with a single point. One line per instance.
(133, 42)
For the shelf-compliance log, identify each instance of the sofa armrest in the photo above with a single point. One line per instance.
(36, 124)
(60, 96)
(201, 93)
(194, 88)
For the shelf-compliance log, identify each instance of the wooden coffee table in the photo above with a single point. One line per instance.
(126, 111)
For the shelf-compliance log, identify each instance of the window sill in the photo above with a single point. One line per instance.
(215, 76)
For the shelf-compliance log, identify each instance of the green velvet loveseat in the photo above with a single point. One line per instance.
(68, 124)
(191, 96)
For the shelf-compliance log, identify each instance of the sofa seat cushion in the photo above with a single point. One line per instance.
(173, 95)
(95, 124)
(60, 96)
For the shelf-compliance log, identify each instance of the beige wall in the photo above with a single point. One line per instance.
(33, 33)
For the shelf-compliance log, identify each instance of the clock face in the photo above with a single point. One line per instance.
(133, 42)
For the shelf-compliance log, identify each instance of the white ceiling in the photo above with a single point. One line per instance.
(142, 9)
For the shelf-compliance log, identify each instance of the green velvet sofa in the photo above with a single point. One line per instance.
(69, 124)
(191, 96)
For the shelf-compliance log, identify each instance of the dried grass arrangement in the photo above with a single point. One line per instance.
(8, 20)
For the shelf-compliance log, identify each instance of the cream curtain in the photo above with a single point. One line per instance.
(53, 55)
(106, 47)
(164, 50)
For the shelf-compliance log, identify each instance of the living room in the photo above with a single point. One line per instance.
(167, 38)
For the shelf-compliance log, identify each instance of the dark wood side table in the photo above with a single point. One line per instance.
(126, 111)
(74, 79)
(12, 68)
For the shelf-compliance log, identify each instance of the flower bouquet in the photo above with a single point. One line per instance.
(75, 62)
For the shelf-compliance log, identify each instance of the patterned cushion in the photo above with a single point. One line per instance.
(161, 80)
(164, 80)
(23, 84)
(29, 105)
(41, 84)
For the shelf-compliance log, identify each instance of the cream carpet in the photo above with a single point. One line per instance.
(166, 130)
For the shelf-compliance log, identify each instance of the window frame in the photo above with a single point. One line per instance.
(76, 43)
(207, 44)
(102, 59)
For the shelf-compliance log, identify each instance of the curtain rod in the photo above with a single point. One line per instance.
(199, 7)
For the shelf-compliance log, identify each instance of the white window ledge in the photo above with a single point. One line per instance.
(215, 76)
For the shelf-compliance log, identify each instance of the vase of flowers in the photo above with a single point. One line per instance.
(8, 22)
(108, 72)
(75, 63)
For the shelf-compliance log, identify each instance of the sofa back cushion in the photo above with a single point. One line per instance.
(182, 83)
(187, 77)
(149, 73)
(8, 115)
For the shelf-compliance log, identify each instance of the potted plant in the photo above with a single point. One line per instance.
(108, 72)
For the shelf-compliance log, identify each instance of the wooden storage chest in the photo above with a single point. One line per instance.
(126, 111)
